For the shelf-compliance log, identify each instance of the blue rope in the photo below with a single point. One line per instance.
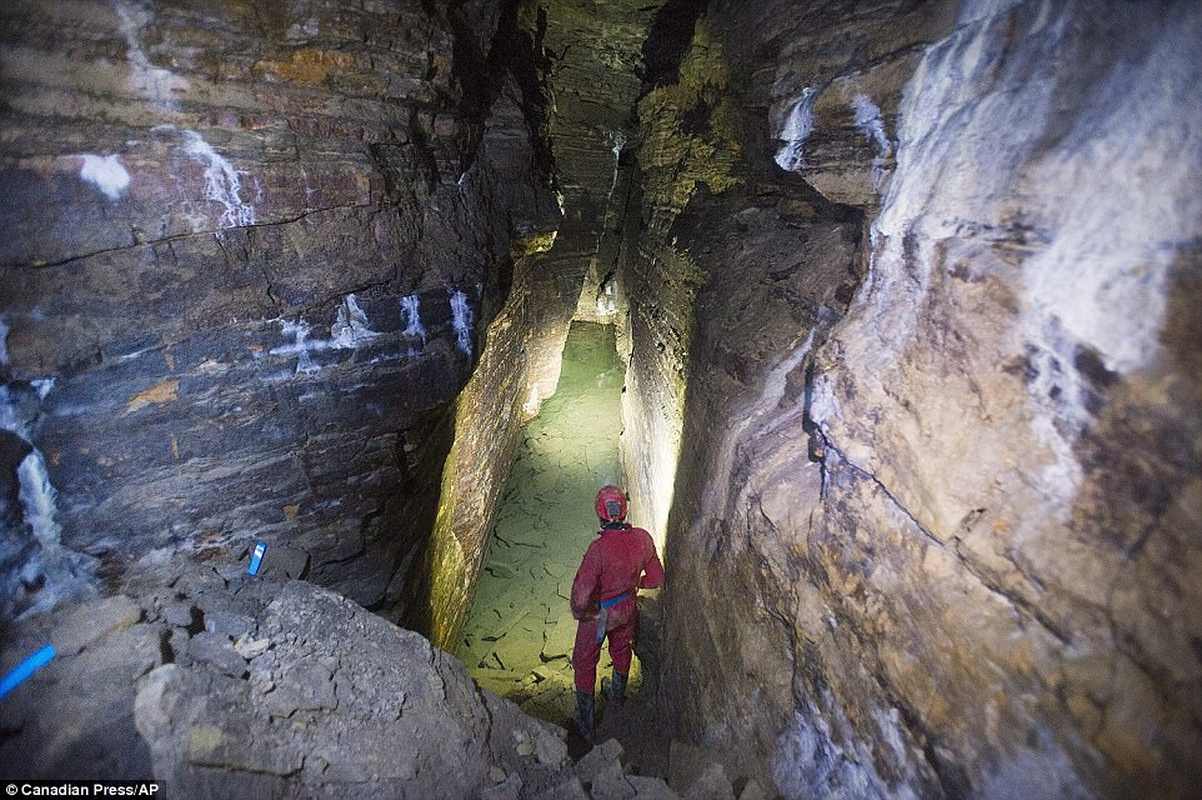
(26, 668)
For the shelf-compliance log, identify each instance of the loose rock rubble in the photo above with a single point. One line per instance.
(226, 685)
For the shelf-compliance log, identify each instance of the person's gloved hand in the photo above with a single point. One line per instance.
(588, 612)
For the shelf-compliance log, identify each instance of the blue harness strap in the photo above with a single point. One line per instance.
(605, 606)
(613, 601)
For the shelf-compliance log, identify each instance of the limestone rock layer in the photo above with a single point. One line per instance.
(941, 527)
(250, 254)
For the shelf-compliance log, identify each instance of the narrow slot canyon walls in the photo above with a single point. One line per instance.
(248, 256)
(518, 636)
(586, 98)
(504, 392)
(935, 530)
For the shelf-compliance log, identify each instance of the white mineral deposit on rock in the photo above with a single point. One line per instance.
(1117, 302)
(411, 316)
(798, 126)
(8, 413)
(617, 140)
(38, 498)
(462, 320)
(415, 332)
(155, 84)
(106, 173)
(222, 182)
(300, 346)
(350, 328)
(3, 344)
(868, 122)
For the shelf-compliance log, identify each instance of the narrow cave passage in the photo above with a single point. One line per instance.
(518, 635)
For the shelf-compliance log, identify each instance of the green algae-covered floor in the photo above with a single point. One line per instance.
(518, 635)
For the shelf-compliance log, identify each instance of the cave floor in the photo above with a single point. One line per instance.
(518, 636)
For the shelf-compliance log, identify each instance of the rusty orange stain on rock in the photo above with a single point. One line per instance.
(174, 447)
(170, 359)
(161, 392)
(291, 511)
(308, 67)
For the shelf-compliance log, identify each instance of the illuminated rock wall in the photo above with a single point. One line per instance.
(502, 394)
(248, 257)
(688, 146)
(935, 529)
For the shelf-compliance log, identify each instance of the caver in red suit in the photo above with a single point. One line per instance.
(619, 562)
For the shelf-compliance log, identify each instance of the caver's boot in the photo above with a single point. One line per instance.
(617, 690)
(584, 716)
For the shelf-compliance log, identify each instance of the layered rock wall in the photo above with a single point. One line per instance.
(689, 149)
(938, 531)
(249, 254)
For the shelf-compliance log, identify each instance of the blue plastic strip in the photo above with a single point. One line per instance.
(257, 558)
(26, 668)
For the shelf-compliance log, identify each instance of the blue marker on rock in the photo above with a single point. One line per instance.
(26, 668)
(256, 558)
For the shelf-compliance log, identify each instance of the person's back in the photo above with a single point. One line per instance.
(619, 562)
(616, 560)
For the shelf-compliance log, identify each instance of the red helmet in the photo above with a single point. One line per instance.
(611, 504)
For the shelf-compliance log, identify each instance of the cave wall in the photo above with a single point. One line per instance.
(935, 529)
(249, 253)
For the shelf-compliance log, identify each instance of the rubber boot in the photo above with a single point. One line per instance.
(617, 690)
(584, 716)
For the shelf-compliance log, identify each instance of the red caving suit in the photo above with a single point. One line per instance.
(614, 564)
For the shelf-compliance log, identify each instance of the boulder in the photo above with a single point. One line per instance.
(343, 701)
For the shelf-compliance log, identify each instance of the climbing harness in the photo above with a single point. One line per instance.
(605, 606)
